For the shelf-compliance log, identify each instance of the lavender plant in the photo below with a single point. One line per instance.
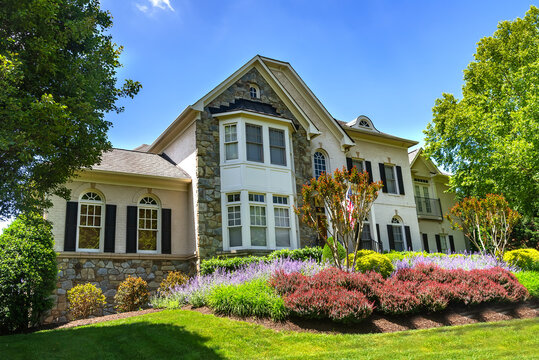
(197, 290)
(455, 261)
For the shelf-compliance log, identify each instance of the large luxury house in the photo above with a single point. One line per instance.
(223, 179)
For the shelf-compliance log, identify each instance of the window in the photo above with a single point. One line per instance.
(364, 123)
(254, 91)
(277, 147)
(366, 232)
(148, 227)
(358, 164)
(90, 228)
(319, 164)
(234, 220)
(391, 179)
(282, 227)
(398, 234)
(281, 200)
(423, 198)
(443, 244)
(255, 151)
(231, 142)
(257, 214)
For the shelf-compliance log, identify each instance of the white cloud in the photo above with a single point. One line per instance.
(154, 5)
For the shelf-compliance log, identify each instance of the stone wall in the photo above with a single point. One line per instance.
(107, 271)
(210, 240)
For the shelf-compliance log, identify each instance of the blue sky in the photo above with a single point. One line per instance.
(388, 60)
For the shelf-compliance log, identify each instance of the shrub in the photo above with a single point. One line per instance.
(28, 272)
(132, 294)
(394, 255)
(303, 254)
(530, 280)
(327, 255)
(173, 280)
(526, 259)
(230, 264)
(254, 298)
(85, 300)
(372, 261)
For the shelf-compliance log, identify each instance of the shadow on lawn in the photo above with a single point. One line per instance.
(140, 340)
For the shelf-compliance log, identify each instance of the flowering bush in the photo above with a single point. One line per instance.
(132, 294)
(423, 288)
(526, 259)
(461, 261)
(85, 300)
(197, 289)
(173, 280)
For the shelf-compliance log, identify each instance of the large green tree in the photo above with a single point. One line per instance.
(489, 139)
(57, 81)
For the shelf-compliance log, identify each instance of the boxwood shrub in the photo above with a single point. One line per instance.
(530, 280)
(526, 259)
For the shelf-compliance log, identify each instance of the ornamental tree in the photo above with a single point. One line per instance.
(486, 222)
(58, 67)
(347, 197)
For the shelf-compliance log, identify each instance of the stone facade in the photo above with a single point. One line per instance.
(107, 272)
(208, 209)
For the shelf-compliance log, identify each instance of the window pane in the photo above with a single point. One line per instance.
(147, 240)
(230, 133)
(282, 237)
(97, 220)
(255, 152)
(90, 209)
(276, 137)
(278, 156)
(258, 236)
(254, 133)
(391, 183)
(231, 151)
(397, 237)
(366, 232)
(234, 216)
(319, 164)
(282, 218)
(234, 235)
(83, 219)
(258, 215)
(358, 164)
(89, 238)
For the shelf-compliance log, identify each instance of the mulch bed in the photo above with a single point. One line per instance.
(461, 315)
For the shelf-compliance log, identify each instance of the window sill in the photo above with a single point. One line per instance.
(119, 256)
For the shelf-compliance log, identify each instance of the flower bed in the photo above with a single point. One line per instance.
(451, 262)
(347, 297)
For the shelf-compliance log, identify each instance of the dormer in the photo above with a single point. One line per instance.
(362, 123)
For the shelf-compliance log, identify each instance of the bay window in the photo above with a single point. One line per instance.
(277, 147)
(282, 221)
(255, 148)
(231, 142)
(257, 212)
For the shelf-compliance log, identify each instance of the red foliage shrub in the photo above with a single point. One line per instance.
(343, 296)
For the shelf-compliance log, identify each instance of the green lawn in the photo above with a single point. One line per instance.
(177, 334)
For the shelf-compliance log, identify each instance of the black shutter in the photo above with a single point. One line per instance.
(70, 234)
(426, 242)
(131, 230)
(369, 170)
(399, 180)
(379, 238)
(408, 238)
(349, 163)
(438, 243)
(452, 243)
(110, 228)
(383, 176)
(165, 230)
(390, 237)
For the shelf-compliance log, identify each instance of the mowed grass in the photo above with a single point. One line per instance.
(178, 334)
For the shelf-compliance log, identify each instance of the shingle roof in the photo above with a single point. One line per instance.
(142, 147)
(139, 163)
(244, 104)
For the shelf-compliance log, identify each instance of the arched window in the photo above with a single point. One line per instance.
(148, 225)
(91, 216)
(364, 123)
(319, 161)
(254, 91)
(398, 234)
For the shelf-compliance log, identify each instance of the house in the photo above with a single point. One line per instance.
(433, 201)
(223, 179)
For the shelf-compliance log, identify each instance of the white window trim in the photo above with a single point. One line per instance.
(325, 154)
(397, 188)
(246, 221)
(152, 207)
(403, 232)
(102, 230)
(362, 161)
(231, 142)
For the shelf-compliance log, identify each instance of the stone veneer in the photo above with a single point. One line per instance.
(107, 271)
(208, 209)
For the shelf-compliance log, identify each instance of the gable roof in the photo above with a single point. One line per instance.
(192, 112)
(418, 153)
(139, 163)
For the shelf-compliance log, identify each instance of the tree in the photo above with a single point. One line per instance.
(489, 139)
(487, 222)
(28, 272)
(347, 197)
(57, 80)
